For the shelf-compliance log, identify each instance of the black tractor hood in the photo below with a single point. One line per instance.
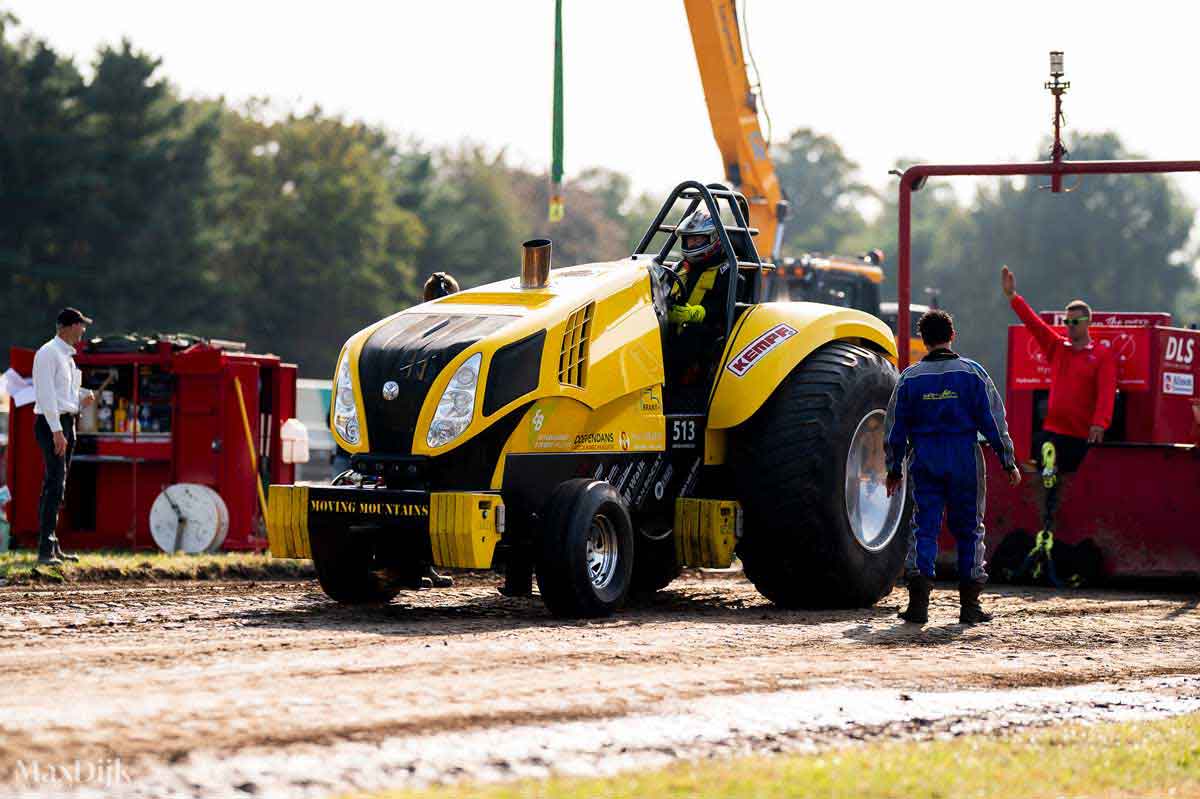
(412, 350)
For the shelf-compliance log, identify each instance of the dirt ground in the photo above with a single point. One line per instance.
(188, 683)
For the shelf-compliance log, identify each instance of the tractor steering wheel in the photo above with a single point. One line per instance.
(674, 277)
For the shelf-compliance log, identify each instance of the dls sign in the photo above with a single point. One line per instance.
(1180, 350)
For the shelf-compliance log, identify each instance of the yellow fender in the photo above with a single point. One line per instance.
(770, 339)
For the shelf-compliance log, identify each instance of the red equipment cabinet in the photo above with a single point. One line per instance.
(1137, 495)
(187, 429)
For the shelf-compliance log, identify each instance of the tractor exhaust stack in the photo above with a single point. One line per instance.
(535, 263)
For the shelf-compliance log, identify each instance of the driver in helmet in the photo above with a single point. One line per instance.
(697, 309)
(704, 265)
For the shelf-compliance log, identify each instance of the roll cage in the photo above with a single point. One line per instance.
(740, 255)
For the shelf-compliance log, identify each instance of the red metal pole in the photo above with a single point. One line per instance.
(1056, 153)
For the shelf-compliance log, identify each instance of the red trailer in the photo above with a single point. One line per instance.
(169, 413)
(1137, 495)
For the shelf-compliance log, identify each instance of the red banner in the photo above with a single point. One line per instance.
(1114, 318)
(1029, 369)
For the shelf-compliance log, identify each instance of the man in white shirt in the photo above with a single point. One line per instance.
(57, 386)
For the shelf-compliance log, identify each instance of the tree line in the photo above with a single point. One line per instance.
(291, 229)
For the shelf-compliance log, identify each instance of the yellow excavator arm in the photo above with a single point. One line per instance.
(733, 111)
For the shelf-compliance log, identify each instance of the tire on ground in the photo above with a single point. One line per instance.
(571, 583)
(655, 564)
(789, 460)
(347, 567)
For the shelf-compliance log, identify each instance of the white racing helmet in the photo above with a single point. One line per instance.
(698, 239)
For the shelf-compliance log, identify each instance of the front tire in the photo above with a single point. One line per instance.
(585, 559)
(348, 569)
(809, 465)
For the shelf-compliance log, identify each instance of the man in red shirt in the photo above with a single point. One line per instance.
(1083, 385)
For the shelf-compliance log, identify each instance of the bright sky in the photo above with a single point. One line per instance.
(944, 81)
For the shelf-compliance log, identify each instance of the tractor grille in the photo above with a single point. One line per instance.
(572, 358)
(412, 350)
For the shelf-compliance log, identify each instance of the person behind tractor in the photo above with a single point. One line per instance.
(937, 410)
(440, 284)
(697, 311)
(1083, 385)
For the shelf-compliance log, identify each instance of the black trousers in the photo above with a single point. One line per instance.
(54, 480)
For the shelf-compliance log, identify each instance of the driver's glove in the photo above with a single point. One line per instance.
(685, 314)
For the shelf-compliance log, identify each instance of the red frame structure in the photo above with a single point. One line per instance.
(915, 176)
(1136, 501)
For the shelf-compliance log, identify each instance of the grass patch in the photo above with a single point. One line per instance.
(21, 567)
(1159, 758)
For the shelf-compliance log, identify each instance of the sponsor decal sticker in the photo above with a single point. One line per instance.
(399, 509)
(660, 488)
(690, 482)
(647, 440)
(632, 487)
(1179, 383)
(651, 402)
(1181, 350)
(744, 361)
(620, 484)
(649, 483)
(600, 440)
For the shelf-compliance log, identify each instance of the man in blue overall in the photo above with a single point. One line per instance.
(937, 410)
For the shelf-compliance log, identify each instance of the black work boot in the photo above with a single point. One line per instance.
(917, 612)
(438, 580)
(46, 555)
(970, 611)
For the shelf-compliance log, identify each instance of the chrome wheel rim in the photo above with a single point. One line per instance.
(873, 515)
(602, 554)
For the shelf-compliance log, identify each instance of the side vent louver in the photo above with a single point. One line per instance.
(572, 359)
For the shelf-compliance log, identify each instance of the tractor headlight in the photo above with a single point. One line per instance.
(345, 411)
(457, 405)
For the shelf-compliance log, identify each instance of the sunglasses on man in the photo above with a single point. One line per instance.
(1083, 320)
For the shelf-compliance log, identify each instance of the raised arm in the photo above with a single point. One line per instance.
(1045, 335)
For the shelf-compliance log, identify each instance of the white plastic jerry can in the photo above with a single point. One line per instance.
(294, 436)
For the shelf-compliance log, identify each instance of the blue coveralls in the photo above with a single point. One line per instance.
(937, 409)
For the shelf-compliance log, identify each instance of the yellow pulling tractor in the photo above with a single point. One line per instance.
(534, 424)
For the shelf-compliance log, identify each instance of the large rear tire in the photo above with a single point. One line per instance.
(585, 560)
(820, 531)
(348, 569)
